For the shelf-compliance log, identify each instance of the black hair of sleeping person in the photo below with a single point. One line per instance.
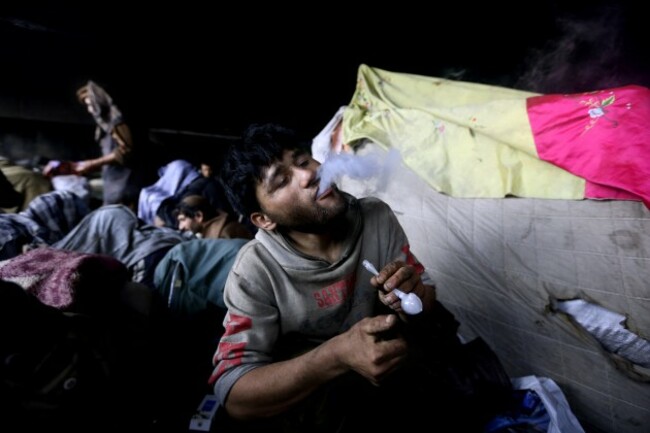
(378, 164)
(191, 205)
(261, 145)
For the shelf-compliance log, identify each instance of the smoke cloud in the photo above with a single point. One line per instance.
(586, 55)
(377, 164)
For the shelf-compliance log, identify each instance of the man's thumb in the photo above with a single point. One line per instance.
(382, 323)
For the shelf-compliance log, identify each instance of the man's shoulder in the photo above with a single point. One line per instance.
(373, 204)
(251, 248)
(254, 262)
(252, 253)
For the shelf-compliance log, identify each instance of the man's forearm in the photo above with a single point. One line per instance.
(274, 388)
(104, 159)
(91, 165)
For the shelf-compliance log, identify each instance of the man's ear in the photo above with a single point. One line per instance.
(199, 216)
(262, 221)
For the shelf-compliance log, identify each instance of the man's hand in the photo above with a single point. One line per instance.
(273, 388)
(399, 275)
(366, 350)
(58, 168)
(82, 167)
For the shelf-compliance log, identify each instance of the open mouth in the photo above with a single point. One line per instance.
(324, 193)
(322, 189)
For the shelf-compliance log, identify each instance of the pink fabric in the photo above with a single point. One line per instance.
(602, 136)
(56, 276)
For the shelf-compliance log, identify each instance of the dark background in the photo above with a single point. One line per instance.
(213, 69)
(197, 73)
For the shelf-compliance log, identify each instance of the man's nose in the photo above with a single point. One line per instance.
(307, 175)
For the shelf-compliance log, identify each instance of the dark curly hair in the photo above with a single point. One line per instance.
(242, 169)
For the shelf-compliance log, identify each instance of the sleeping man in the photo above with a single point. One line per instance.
(195, 214)
(313, 342)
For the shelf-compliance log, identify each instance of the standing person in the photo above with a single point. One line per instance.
(121, 180)
(312, 341)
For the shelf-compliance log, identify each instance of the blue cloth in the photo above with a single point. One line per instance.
(56, 213)
(529, 410)
(16, 231)
(47, 219)
(193, 274)
(114, 230)
(173, 177)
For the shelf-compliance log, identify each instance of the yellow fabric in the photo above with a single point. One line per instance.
(27, 182)
(464, 139)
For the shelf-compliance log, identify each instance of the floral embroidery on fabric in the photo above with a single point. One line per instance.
(596, 110)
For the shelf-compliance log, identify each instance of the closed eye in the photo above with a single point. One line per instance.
(301, 158)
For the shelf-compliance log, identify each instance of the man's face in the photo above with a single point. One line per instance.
(206, 170)
(287, 195)
(186, 223)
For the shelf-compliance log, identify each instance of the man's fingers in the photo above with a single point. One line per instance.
(380, 324)
(394, 274)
